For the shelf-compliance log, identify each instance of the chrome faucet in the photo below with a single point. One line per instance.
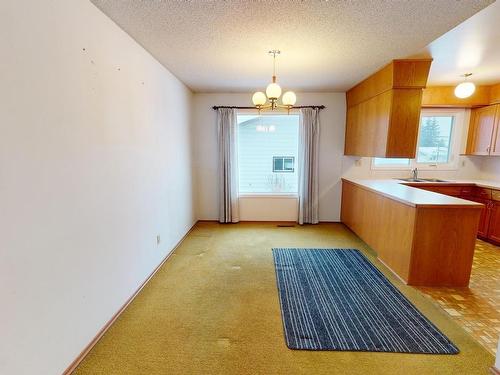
(414, 173)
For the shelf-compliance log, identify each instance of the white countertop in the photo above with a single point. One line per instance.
(412, 196)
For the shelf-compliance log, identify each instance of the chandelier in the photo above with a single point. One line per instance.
(273, 92)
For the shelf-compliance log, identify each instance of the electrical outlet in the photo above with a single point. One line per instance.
(158, 239)
(357, 163)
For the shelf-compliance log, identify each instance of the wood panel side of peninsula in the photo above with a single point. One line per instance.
(426, 245)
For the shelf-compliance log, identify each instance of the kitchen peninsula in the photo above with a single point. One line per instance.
(424, 237)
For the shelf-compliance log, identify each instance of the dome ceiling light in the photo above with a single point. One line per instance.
(466, 88)
(273, 93)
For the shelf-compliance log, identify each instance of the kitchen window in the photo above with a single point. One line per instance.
(435, 139)
(267, 151)
(440, 138)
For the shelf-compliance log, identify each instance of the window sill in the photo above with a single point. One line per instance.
(391, 168)
(439, 168)
(269, 195)
(419, 167)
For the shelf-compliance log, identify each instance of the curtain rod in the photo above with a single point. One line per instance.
(294, 107)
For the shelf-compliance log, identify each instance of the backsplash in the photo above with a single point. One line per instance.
(490, 169)
(469, 167)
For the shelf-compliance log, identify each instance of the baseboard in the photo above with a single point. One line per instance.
(72, 367)
(494, 370)
(392, 271)
(252, 221)
(268, 221)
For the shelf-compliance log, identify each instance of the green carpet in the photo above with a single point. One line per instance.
(213, 309)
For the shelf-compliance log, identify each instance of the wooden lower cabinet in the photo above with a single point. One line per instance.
(494, 227)
(484, 220)
(455, 190)
(423, 245)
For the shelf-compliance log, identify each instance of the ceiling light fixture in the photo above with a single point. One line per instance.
(466, 88)
(273, 92)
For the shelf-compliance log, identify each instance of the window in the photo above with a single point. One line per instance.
(267, 150)
(391, 162)
(435, 139)
(283, 164)
(438, 146)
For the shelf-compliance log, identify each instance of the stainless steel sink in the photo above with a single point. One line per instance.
(433, 180)
(421, 179)
(412, 179)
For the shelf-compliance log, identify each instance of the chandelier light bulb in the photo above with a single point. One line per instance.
(289, 98)
(259, 98)
(273, 91)
(464, 90)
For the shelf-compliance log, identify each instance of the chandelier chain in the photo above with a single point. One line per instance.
(274, 52)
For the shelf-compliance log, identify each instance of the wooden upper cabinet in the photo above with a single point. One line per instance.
(483, 131)
(495, 138)
(444, 97)
(383, 111)
(495, 94)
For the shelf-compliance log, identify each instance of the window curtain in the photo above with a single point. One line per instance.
(308, 166)
(228, 165)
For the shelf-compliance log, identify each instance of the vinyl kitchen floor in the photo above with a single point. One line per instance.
(476, 308)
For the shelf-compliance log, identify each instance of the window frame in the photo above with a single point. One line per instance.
(457, 140)
(393, 167)
(283, 160)
(286, 195)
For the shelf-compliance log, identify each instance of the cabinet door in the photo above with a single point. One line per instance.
(454, 191)
(481, 130)
(484, 220)
(424, 187)
(367, 126)
(482, 193)
(466, 192)
(495, 141)
(494, 227)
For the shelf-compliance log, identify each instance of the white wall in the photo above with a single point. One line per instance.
(491, 168)
(330, 159)
(278, 208)
(95, 161)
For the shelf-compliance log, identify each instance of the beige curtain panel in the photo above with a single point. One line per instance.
(228, 165)
(308, 166)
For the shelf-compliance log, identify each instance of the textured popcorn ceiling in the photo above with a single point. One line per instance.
(326, 45)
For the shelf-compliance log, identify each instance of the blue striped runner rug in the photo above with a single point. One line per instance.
(335, 299)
